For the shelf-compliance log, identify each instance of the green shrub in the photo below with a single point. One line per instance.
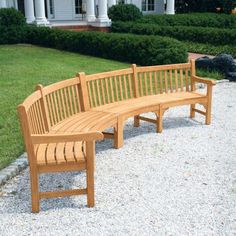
(196, 34)
(195, 19)
(143, 50)
(12, 34)
(227, 5)
(12, 26)
(124, 12)
(206, 48)
(11, 17)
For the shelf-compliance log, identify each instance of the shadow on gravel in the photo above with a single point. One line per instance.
(130, 131)
(19, 201)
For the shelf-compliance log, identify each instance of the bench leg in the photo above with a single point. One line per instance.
(34, 189)
(119, 134)
(208, 114)
(90, 153)
(192, 112)
(136, 121)
(159, 115)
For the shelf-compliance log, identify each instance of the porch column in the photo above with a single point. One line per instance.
(111, 3)
(29, 11)
(3, 4)
(170, 8)
(40, 12)
(102, 13)
(90, 14)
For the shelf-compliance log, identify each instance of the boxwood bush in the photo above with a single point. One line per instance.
(215, 20)
(12, 26)
(143, 50)
(124, 12)
(11, 17)
(196, 34)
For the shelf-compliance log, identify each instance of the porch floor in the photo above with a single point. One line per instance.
(56, 23)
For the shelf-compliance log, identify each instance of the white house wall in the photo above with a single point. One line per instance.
(63, 10)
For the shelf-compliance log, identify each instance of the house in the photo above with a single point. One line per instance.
(80, 12)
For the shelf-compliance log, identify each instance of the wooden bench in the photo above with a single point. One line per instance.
(61, 122)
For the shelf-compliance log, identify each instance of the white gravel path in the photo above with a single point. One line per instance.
(180, 182)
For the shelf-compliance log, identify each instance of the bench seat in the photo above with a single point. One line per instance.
(59, 153)
(85, 121)
(136, 106)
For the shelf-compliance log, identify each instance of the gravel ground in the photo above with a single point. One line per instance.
(180, 182)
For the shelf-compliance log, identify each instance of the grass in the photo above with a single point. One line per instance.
(24, 66)
(21, 68)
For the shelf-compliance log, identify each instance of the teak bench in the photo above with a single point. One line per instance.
(61, 122)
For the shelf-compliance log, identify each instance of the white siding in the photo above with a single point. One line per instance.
(64, 9)
(160, 6)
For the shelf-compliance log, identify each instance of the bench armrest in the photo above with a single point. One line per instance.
(197, 79)
(60, 138)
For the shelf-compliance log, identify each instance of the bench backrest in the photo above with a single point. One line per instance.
(61, 100)
(114, 86)
(109, 87)
(163, 79)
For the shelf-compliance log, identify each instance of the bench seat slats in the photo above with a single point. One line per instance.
(145, 102)
(60, 153)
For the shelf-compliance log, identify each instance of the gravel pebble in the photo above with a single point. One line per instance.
(180, 182)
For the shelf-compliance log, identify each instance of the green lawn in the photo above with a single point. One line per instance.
(21, 68)
(24, 66)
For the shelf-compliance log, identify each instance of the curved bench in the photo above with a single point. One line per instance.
(61, 122)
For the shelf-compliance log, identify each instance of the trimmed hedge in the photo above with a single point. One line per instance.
(194, 19)
(196, 34)
(143, 50)
(124, 12)
(12, 26)
(11, 17)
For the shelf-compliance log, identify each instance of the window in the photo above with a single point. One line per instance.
(148, 5)
(78, 7)
(51, 7)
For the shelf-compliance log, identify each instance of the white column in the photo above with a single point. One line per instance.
(170, 8)
(40, 12)
(3, 4)
(29, 11)
(111, 3)
(90, 14)
(102, 13)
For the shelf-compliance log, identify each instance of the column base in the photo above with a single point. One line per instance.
(91, 19)
(30, 20)
(102, 22)
(41, 21)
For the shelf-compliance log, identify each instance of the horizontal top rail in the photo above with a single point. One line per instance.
(109, 74)
(59, 85)
(164, 67)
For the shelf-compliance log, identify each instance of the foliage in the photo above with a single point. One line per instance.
(196, 34)
(10, 17)
(225, 6)
(195, 19)
(143, 50)
(124, 12)
(12, 26)
(206, 48)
